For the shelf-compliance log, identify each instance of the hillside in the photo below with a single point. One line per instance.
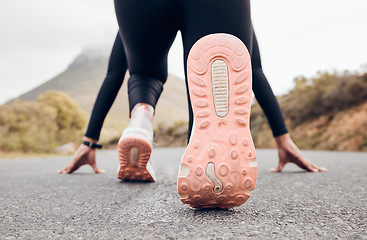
(345, 131)
(327, 112)
(83, 78)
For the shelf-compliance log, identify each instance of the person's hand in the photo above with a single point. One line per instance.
(289, 153)
(83, 156)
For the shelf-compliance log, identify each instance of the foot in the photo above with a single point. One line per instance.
(289, 153)
(135, 146)
(218, 168)
(83, 156)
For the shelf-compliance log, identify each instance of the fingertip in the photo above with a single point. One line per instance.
(64, 171)
(322, 169)
(96, 170)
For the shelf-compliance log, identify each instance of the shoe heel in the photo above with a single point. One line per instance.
(134, 154)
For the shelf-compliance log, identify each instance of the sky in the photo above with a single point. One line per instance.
(40, 38)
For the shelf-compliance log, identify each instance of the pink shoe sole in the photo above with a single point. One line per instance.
(219, 169)
(134, 154)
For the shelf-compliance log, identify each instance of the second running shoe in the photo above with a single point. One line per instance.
(218, 168)
(135, 147)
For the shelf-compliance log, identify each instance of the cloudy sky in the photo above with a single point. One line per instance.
(39, 38)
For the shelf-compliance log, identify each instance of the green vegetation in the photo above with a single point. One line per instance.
(174, 135)
(82, 81)
(312, 106)
(41, 125)
(326, 112)
(324, 94)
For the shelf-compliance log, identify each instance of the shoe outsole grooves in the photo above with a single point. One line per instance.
(134, 154)
(219, 169)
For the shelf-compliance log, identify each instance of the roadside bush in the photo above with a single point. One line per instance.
(174, 135)
(325, 94)
(40, 126)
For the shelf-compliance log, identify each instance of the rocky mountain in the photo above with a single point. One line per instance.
(327, 112)
(83, 78)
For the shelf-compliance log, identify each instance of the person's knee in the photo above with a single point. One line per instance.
(144, 89)
(144, 81)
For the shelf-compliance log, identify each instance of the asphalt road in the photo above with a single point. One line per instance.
(38, 203)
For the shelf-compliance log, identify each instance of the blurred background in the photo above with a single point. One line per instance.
(54, 55)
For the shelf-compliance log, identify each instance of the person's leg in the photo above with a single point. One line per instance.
(264, 94)
(218, 168)
(117, 67)
(148, 29)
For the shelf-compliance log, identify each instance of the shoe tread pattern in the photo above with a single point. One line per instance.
(223, 139)
(127, 170)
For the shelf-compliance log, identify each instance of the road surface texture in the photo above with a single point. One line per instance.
(38, 203)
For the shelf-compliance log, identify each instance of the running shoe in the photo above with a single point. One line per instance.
(134, 150)
(218, 168)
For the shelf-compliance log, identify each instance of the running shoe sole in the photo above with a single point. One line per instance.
(218, 168)
(134, 154)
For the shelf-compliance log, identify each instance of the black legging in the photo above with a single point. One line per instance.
(148, 29)
(115, 75)
(264, 94)
(117, 67)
